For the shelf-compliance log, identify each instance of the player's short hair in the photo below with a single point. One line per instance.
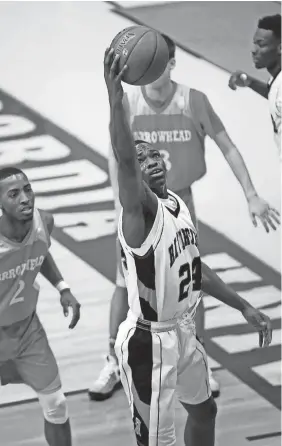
(272, 23)
(140, 141)
(171, 46)
(6, 172)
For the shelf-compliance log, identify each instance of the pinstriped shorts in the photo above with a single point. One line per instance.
(159, 361)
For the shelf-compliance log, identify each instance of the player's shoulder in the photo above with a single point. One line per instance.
(48, 219)
(132, 93)
(193, 98)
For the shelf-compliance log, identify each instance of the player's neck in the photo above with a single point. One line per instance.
(161, 192)
(275, 69)
(159, 94)
(14, 230)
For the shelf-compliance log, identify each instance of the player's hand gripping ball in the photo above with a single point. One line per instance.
(144, 51)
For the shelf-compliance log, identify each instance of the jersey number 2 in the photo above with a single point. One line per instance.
(16, 297)
(185, 272)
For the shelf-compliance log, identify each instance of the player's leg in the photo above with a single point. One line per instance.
(187, 197)
(194, 391)
(148, 364)
(38, 368)
(109, 378)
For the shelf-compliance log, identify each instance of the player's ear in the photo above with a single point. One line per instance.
(172, 63)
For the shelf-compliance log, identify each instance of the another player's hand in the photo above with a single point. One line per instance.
(68, 300)
(112, 76)
(268, 216)
(261, 323)
(239, 79)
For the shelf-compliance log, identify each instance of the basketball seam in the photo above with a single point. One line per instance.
(132, 48)
(152, 60)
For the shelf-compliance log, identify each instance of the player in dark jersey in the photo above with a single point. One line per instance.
(25, 354)
(156, 344)
(176, 120)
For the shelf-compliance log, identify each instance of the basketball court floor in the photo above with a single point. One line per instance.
(53, 124)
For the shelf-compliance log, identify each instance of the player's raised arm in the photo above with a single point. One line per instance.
(133, 194)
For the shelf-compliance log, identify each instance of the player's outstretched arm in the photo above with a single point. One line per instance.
(258, 207)
(241, 79)
(112, 162)
(134, 195)
(214, 286)
(52, 273)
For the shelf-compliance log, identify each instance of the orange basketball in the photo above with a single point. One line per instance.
(144, 51)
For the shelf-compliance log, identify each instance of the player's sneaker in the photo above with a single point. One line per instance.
(107, 382)
(213, 385)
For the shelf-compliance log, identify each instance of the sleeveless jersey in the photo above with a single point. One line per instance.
(19, 265)
(274, 101)
(163, 276)
(177, 129)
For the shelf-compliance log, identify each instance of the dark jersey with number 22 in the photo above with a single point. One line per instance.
(163, 276)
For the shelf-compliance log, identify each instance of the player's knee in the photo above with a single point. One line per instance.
(54, 406)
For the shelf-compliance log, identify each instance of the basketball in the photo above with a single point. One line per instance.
(144, 51)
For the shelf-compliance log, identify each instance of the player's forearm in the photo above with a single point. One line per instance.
(239, 168)
(50, 270)
(214, 286)
(121, 136)
(259, 87)
(113, 172)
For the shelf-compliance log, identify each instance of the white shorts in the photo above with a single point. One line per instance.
(158, 361)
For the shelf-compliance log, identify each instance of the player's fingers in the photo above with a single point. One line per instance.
(121, 73)
(75, 316)
(232, 83)
(254, 220)
(268, 332)
(275, 211)
(113, 69)
(66, 309)
(270, 222)
(260, 338)
(274, 217)
(108, 56)
(264, 222)
(265, 331)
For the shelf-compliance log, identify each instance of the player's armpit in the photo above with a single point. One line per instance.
(49, 220)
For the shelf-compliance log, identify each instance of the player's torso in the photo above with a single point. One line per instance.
(19, 265)
(166, 281)
(172, 130)
(274, 100)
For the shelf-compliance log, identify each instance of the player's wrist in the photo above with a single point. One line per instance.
(251, 194)
(62, 286)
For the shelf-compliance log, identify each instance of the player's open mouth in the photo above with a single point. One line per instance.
(156, 173)
(27, 210)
